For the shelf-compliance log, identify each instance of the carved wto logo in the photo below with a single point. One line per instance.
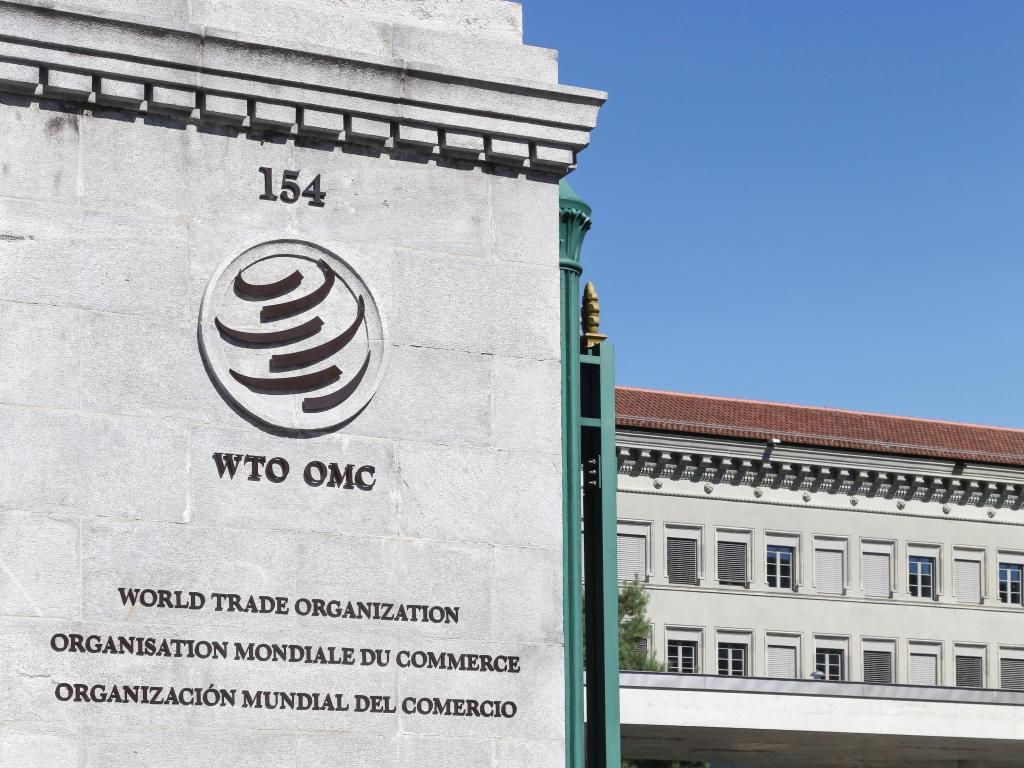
(292, 336)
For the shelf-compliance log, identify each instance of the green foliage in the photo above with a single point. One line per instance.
(635, 630)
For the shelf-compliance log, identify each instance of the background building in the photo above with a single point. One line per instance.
(880, 554)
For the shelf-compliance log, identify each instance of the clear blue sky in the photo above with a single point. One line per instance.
(807, 201)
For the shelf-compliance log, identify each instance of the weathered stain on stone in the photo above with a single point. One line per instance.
(56, 125)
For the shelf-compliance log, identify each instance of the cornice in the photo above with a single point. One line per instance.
(734, 470)
(209, 75)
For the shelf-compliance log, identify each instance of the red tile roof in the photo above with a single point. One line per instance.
(827, 427)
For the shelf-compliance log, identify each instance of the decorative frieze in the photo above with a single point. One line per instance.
(809, 480)
(123, 64)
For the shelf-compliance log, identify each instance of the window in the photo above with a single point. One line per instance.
(969, 672)
(1010, 582)
(779, 565)
(781, 661)
(828, 571)
(682, 656)
(921, 578)
(878, 667)
(829, 662)
(1011, 674)
(967, 580)
(732, 563)
(682, 561)
(732, 659)
(877, 574)
(632, 552)
(924, 669)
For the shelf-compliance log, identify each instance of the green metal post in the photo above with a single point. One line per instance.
(600, 484)
(574, 222)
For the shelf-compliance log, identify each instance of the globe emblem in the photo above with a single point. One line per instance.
(291, 334)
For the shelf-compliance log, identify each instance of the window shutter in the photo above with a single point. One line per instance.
(924, 669)
(632, 551)
(967, 577)
(1011, 674)
(969, 672)
(828, 570)
(641, 645)
(878, 667)
(682, 561)
(877, 578)
(781, 661)
(732, 562)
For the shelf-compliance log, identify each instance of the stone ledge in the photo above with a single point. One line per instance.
(522, 124)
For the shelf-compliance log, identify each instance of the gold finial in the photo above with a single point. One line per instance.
(591, 318)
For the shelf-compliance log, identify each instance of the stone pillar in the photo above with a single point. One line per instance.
(280, 459)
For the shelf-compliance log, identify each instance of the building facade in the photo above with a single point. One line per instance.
(806, 544)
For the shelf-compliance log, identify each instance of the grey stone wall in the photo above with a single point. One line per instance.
(113, 218)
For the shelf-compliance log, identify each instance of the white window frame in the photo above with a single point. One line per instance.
(735, 535)
(883, 645)
(680, 531)
(834, 642)
(785, 640)
(1014, 652)
(785, 539)
(925, 549)
(639, 528)
(827, 541)
(976, 555)
(1011, 557)
(978, 650)
(741, 637)
(688, 634)
(879, 547)
(934, 647)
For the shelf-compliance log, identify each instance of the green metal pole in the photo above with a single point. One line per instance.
(574, 222)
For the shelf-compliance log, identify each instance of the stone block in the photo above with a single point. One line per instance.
(527, 416)
(420, 138)
(225, 109)
(119, 553)
(557, 158)
(436, 752)
(528, 586)
(39, 354)
(121, 93)
(38, 746)
(338, 749)
(366, 129)
(470, 145)
(432, 395)
(508, 151)
(53, 254)
(481, 495)
(166, 378)
(329, 124)
(529, 753)
(195, 748)
(64, 461)
(39, 159)
(524, 219)
(173, 100)
(39, 569)
(493, 318)
(371, 201)
(269, 115)
(293, 503)
(68, 85)
(482, 57)
(18, 77)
